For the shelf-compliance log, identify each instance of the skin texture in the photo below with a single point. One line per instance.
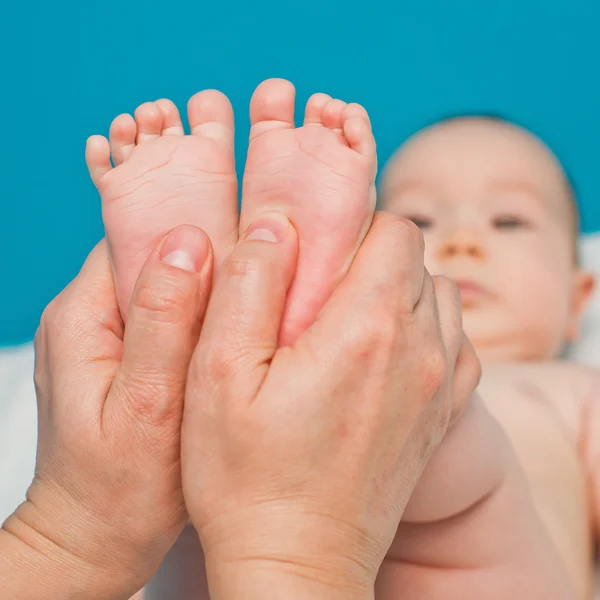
(498, 218)
(320, 175)
(473, 474)
(495, 211)
(250, 470)
(109, 443)
(106, 502)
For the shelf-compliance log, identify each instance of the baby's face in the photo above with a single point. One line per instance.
(498, 220)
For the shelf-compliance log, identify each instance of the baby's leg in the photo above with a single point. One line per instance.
(470, 529)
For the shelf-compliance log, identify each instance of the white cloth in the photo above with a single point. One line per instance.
(18, 427)
(587, 348)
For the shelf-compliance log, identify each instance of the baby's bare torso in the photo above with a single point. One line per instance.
(542, 408)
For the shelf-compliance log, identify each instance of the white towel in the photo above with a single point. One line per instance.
(18, 427)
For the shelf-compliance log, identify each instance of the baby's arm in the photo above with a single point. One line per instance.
(470, 530)
(469, 465)
(591, 448)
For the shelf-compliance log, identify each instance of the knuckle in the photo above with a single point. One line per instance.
(248, 266)
(446, 287)
(50, 315)
(219, 365)
(63, 314)
(385, 334)
(447, 291)
(449, 304)
(377, 337)
(433, 372)
(400, 230)
(409, 234)
(164, 300)
(466, 379)
(57, 321)
(56, 331)
(446, 413)
(40, 373)
(432, 436)
(151, 397)
(474, 370)
(358, 346)
(40, 338)
(196, 375)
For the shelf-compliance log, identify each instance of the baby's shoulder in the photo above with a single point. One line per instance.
(565, 381)
(562, 388)
(569, 379)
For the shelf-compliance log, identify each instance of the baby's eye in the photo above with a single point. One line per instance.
(421, 222)
(509, 222)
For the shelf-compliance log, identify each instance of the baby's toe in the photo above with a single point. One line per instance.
(171, 119)
(149, 119)
(122, 138)
(97, 157)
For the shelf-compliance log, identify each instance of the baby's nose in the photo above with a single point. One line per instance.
(462, 242)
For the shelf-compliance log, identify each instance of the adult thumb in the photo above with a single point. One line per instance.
(163, 325)
(240, 332)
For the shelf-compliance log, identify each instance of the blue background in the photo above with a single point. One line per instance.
(69, 68)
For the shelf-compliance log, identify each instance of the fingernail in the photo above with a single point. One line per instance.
(269, 227)
(185, 248)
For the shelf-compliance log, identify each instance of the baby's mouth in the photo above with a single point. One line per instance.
(471, 293)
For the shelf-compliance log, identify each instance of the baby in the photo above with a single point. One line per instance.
(499, 218)
(470, 530)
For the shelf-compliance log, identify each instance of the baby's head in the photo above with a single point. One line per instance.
(500, 218)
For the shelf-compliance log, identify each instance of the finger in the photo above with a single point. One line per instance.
(94, 278)
(467, 375)
(163, 326)
(426, 310)
(386, 277)
(450, 316)
(78, 341)
(85, 312)
(242, 323)
(426, 307)
(438, 315)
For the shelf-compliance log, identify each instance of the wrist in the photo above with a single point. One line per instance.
(288, 578)
(34, 563)
(33, 567)
(284, 549)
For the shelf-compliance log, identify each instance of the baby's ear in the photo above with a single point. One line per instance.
(584, 285)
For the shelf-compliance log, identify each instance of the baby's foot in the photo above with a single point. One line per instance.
(164, 178)
(322, 177)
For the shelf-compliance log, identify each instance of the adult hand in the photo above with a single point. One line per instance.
(106, 503)
(298, 462)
